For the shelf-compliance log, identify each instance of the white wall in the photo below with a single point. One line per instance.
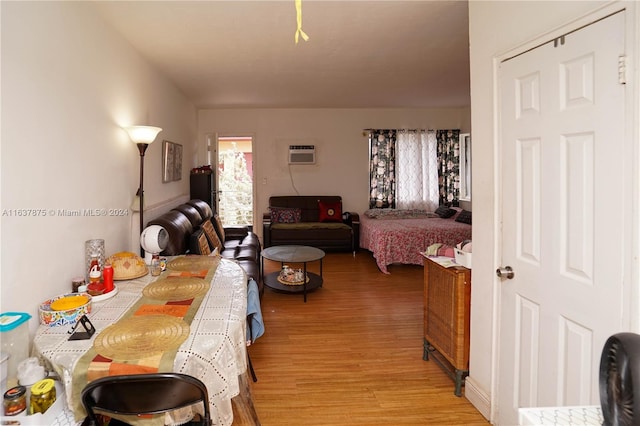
(69, 85)
(495, 27)
(342, 151)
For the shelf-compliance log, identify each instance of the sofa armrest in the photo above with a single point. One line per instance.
(350, 217)
(266, 230)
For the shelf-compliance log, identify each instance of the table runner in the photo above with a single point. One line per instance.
(215, 351)
(111, 353)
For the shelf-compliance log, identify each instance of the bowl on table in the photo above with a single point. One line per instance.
(64, 309)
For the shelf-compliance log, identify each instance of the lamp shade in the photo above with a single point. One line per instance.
(143, 134)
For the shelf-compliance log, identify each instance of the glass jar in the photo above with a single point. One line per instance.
(156, 269)
(43, 395)
(93, 247)
(76, 283)
(15, 401)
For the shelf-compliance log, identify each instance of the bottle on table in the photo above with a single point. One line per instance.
(107, 277)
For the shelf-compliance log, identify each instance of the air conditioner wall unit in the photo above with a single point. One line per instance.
(302, 154)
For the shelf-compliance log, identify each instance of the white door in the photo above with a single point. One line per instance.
(563, 183)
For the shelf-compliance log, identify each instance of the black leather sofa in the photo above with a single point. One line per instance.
(238, 243)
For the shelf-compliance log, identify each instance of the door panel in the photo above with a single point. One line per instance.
(562, 132)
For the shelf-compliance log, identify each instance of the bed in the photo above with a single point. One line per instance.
(399, 236)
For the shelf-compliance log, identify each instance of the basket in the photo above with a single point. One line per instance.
(127, 266)
(463, 258)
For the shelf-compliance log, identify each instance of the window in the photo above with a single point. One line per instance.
(465, 166)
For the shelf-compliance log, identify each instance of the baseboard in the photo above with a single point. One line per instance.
(478, 398)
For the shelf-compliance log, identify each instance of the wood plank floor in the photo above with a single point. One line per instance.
(352, 355)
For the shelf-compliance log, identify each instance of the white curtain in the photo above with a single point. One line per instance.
(417, 170)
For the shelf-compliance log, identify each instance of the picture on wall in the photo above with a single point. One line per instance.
(171, 161)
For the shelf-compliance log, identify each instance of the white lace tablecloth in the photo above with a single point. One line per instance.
(562, 416)
(214, 352)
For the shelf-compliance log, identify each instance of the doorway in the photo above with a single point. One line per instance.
(233, 157)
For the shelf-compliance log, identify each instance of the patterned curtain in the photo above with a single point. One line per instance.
(417, 170)
(449, 166)
(382, 154)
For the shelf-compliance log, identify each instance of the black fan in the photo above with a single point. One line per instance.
(619, 378)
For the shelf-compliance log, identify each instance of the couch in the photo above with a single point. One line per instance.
(316, 221)
(186, 225)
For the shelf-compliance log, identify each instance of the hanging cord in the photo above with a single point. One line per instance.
(293, 185)
(299, 31)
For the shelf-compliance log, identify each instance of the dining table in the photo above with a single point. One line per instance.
(212, 346)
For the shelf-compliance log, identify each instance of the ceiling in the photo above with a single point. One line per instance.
(360, 54)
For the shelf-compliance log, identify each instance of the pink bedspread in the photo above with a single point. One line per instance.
(402, 240)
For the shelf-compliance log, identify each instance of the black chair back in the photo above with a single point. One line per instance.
(144, 394)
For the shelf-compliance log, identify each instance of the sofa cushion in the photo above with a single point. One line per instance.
(329, 211)
(288, 233)
(323, 235)
(203, 208)
(191, 213)
(212, 236)
(311, 225)
(217, 223)
(199, 244)
(285, 214)
(179, 228)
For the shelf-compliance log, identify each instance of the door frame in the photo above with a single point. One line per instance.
(632, 143)
(211, 140)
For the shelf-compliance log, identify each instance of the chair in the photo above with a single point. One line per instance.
(143, 394)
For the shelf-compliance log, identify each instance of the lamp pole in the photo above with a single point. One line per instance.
(142, 147)
(142, 136)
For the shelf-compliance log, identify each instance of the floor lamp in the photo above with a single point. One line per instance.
(142, 136)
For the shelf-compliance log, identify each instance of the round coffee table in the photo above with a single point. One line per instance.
(293, 254)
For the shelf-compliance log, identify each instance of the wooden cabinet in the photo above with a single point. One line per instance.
(447, 297)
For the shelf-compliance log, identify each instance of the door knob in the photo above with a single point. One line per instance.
(506, 272)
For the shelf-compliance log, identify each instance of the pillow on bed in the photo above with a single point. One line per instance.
(330, 212)
(445, 212)
(285, 214)
(464, 217)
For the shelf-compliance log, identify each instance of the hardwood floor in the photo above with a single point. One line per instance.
(352, 355)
